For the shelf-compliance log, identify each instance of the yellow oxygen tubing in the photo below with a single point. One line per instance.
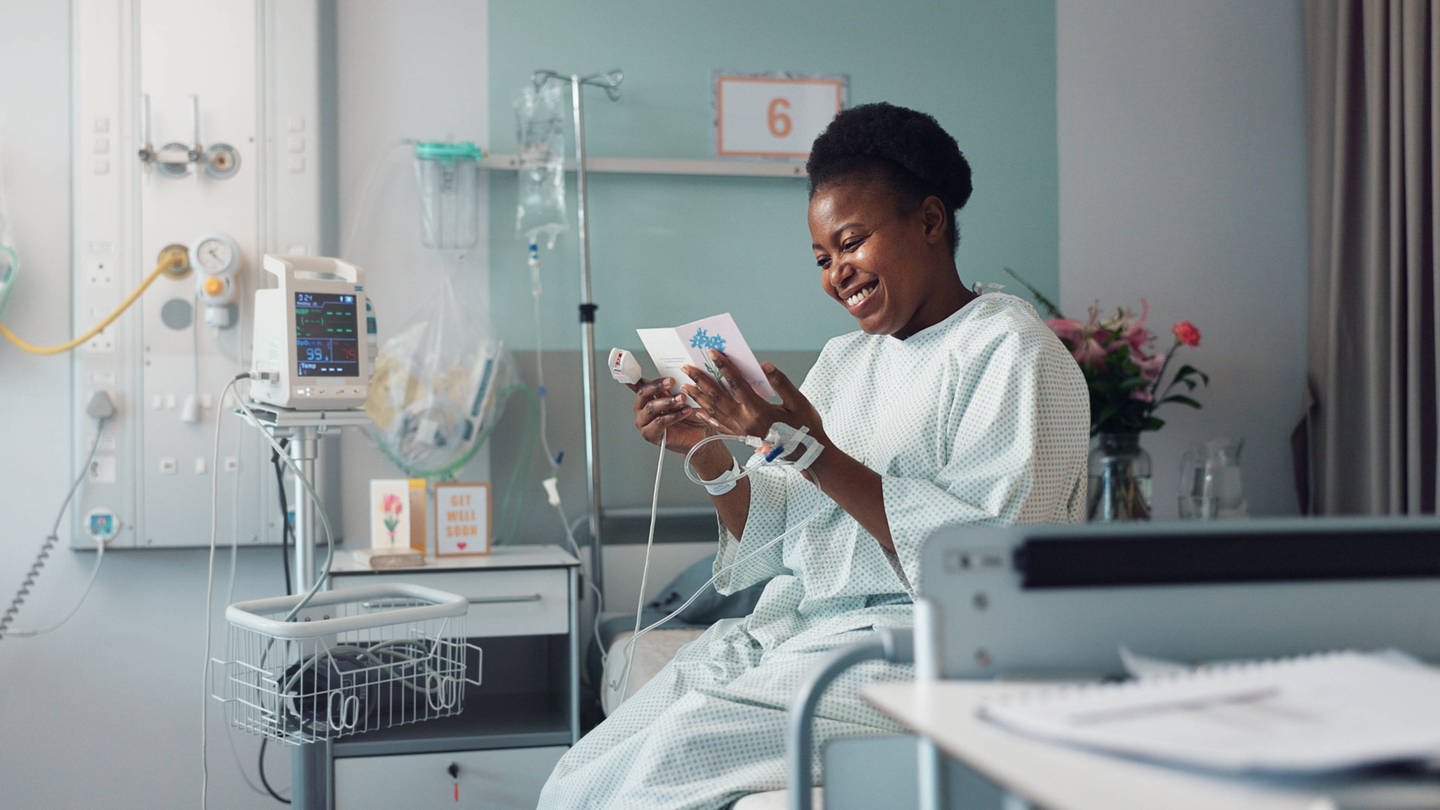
(174, 260)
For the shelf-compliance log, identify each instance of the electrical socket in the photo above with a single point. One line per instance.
(101, 343)
(100, 272)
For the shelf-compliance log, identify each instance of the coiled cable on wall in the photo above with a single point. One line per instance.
(102, 409)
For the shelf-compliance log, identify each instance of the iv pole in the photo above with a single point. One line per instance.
(610, 81)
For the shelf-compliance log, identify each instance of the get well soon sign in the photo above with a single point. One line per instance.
(462, 519)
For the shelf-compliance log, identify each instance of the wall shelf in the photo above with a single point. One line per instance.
(688, 166)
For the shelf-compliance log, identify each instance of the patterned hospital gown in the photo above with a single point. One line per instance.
(982, 418)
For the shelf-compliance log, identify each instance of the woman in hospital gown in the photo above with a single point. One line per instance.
(947, 407)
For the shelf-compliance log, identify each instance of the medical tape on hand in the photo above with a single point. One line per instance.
(782, 439)
(725, 481)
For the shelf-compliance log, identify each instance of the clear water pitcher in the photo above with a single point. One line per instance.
(1210, 482)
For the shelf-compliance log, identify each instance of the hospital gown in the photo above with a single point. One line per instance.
(980, 419)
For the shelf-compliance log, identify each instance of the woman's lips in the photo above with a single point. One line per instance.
(857, 301)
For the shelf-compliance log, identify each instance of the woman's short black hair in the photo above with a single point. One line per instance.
(909, 149)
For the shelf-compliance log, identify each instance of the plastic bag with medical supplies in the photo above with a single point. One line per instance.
(435, 391)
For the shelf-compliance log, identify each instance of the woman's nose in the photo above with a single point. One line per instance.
(838, 273)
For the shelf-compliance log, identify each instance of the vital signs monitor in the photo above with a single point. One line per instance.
(309, 340)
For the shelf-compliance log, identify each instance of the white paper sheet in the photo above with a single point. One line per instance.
(1319, 713)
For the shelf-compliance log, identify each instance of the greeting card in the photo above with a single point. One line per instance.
(397, 515)
(462, 519)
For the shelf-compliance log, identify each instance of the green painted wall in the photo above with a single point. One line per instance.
(669, 249)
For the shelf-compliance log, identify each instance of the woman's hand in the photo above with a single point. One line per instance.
(741, 411)
(659, 413)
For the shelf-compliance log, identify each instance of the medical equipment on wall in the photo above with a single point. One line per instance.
(174, 262)
(219, 161)
(216, 257)
(448, 175)
(310, 335)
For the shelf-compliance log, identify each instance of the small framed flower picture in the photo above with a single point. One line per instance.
(397, 515)
(462, 520)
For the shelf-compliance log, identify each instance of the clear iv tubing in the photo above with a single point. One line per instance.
(536, 291)
(535, 294)
(639, 633)
(630, 642)
(645, 567)
(210, 576)
(744, 471)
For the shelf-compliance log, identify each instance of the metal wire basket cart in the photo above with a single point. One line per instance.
(350, 661)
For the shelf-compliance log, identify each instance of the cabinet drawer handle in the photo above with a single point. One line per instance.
(494, 600)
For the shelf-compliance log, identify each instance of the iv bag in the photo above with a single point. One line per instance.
(540, 141)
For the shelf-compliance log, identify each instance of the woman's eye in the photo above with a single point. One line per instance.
(822, 262)
(851, 244)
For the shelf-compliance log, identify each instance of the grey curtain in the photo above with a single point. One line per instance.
(1369, 439)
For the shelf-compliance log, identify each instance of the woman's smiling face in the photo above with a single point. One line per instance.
(878, 258)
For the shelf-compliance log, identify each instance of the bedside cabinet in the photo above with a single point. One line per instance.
(524, 603)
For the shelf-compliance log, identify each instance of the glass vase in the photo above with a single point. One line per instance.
(1119, 479)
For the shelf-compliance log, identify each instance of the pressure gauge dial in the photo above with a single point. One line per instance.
(215, 254)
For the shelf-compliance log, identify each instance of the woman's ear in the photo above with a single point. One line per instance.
(932, 216)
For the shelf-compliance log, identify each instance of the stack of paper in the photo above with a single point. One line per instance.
(1318, 713)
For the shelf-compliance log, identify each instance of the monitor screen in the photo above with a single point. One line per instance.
(327, 338)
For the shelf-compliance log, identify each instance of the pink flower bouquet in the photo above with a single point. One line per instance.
(1123, 370)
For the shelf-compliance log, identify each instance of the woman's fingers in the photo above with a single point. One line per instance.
(790, 395)
(664, 406)
(649, 389)
(702, 382)
(735, 381)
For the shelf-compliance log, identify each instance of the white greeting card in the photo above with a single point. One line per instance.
(672, 348)
(397, 515)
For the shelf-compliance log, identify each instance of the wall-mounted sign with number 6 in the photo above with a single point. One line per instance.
(774, 115)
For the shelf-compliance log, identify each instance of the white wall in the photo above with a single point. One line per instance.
(405, 70)
(1182, 179)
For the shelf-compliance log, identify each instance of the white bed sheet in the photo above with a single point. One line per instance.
(651, 653)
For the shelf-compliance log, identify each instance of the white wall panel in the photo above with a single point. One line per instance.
(1182, 180)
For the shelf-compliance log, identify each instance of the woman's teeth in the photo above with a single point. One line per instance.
(855, 299)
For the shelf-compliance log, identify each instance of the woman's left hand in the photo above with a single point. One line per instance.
(740, 410)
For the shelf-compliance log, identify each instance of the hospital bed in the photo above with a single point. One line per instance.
(1060, 602)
